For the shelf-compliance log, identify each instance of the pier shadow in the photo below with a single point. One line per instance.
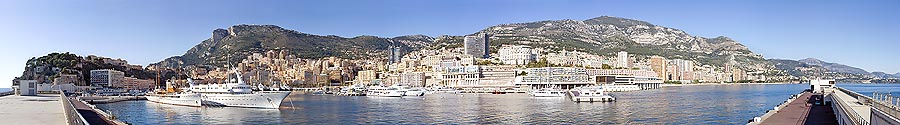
(821, 113)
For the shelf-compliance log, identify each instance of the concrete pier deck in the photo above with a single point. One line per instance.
(803, 111)
(88, 113)
(44, 109)
(864, 111)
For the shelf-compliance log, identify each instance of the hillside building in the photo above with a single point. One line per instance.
(107, 78)
(477, 45)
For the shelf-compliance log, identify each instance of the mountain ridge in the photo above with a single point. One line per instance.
(606, 35)
(836, 67)
(236, 42)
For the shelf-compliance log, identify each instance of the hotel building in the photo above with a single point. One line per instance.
(476, 45)
(516, 54)
(107, 78)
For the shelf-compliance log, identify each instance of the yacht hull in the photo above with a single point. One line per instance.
(177, 99)
(262, 99)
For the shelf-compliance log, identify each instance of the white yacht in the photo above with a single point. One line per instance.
(382, 91)
(173, 96)
(353, 90)
(415, 92)
(547, 92)
(590, 94)
(239, 94)
(409, 91)
(184, 99)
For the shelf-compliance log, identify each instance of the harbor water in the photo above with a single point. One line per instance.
(706, 104)
(868, 89)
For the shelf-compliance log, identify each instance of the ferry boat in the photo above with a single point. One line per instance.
(589, 94)
(239, 94)
(547, 92)
(381, 91)
(173, 96)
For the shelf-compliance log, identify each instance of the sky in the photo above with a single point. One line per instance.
(863, 34)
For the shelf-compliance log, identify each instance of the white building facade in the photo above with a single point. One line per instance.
(562, 77)
(516, 54)
(107, 78)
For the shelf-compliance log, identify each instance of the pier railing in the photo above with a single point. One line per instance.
(863, 99)
(886, 103)
(7, 93)
(72, 115)
(856, 118)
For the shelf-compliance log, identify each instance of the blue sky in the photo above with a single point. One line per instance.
(857, 33)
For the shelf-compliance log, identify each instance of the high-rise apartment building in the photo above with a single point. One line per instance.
(659, 64)
(477, 45)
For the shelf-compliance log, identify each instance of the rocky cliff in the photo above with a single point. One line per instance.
(235, 43)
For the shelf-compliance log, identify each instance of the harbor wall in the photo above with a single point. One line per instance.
(72, 115)
(882, 118)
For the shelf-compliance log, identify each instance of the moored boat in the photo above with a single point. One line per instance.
(184, 99)
(381, 91)
(589, 94)
(239, 94)
(174, 96)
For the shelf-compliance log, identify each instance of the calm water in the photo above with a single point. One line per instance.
(868, 89)
(5, 89)
(714, 104)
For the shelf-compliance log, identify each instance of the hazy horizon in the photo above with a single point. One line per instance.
(861, 35)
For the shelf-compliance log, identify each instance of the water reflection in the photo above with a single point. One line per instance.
(715, 104)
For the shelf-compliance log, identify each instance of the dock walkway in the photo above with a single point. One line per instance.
(32, 110)
(803, 111)
(88, 113)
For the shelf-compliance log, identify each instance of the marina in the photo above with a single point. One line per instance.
(677, 104)
(669, 105)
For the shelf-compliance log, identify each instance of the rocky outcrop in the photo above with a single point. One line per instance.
(235, 43)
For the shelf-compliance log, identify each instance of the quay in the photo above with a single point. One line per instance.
(55, 109)
(803, 109)
(43, 109)
(109, 99)
(825, 104)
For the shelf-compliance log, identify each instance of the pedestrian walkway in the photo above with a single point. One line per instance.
(88, 113)
(32, 110)
(803, 111)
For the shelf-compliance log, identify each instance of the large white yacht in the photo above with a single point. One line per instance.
(238, 94)
(382, 91)
(174, 97)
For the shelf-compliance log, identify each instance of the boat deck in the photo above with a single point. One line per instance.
(32, 110)
(803, 111)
